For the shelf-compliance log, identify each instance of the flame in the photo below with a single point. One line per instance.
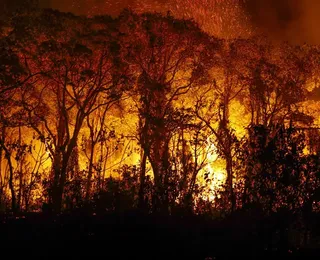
(213, 176)
(126, 149)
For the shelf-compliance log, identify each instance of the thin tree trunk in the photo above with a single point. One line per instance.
(160, 197)
(230, 183)
(55, 186)
(1, 178)
(11, 173)
(60, 188)
(11, 184)
(90, 169)
(228, 151)
(142, 181)
(60, 169)
(20, 173)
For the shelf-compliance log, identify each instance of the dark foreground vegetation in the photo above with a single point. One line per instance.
(131, 234)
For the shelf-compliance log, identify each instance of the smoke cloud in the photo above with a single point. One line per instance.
(297, 21)
(293, 20)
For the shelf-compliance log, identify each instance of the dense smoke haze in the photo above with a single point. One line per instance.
(293, 20)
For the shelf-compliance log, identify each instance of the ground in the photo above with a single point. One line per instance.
(135, 236)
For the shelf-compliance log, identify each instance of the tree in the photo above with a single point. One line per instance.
(213, 108)
(13, 80)
(100, 146)
(273, 78)
(169, 57)
(80, 72)
(276, 79)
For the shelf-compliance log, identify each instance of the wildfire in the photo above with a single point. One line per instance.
(215, 171)
(166, 94)
(222, 18)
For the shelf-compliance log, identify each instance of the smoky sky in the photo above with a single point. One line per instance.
(292, 20)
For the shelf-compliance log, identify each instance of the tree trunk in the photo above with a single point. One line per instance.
(142, 181)
(60, 172)
(156, 197)
(26, 201)
(11, 184)
(20, 173)
(11, 173)
(19, 206)
(160, 197)
(90, 169)
(230, 183)
(59, 189)
(1, 184)
(56, 165)
(60, 169)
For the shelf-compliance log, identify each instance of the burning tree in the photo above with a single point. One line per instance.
(80, 72)
(14, 79)
(213, 105)
(169, 57)
(63, 75)
(275, 89)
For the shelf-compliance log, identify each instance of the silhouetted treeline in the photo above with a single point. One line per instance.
(154, 99)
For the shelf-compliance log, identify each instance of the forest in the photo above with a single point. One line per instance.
(147, 114)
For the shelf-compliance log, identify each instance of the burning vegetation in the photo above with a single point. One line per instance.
(188, 113)
(148, 111)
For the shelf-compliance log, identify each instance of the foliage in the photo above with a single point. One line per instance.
(136, 112)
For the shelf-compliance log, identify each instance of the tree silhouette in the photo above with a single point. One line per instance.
(213, 107)
(13, 80)
(169, 58)
(76, 72)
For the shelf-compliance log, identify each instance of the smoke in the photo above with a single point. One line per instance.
(297, 21)
(292, 20)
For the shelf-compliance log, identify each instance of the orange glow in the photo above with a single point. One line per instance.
(106, 94)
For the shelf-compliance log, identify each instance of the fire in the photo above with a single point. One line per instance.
(222, 18)
(185, 102)
(216, 171)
